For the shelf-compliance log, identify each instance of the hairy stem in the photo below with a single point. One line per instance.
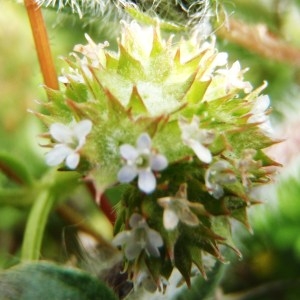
(258, 39)
(42, 44)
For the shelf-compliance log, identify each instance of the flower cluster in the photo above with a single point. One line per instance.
(179, 128)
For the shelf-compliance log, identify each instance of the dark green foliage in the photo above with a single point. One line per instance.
(47, 281)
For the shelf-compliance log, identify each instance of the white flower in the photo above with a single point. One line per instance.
(234, 78)
(213, 61)
(177, 208)
(196, 138)
(70, 139)
(218, 174)
(140, 237)
(94, 52)
(140, 161)
(259, 114)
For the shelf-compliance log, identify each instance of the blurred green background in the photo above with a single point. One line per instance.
(270, 268)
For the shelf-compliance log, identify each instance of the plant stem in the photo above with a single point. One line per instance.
(35, 226)
(105, 206)
(42, 44)
(258, 39)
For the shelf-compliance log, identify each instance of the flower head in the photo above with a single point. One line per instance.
(70, 139)
(218, 174)
(140, 161)
(196, 138)
(177, 208)
(140, 237)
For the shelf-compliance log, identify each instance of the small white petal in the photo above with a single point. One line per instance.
(60, 132)
(235, 68)
(247, 87)
(127, 174)
(63, 79)
(221, 59)
(72, 160)
(57, 155)
(129, 152)
(263, 102)
(202, 152)
(267, 128)
(121, 238)
(261, 105)
(146, 181)
(144, 141)
(170, 219)
(152, 250)
(258, 118)
(82, 128)
(158, 162)
(155, 238)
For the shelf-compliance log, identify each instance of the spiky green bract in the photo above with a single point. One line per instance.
(186, 98)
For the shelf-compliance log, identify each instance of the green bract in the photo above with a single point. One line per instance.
(202, 118)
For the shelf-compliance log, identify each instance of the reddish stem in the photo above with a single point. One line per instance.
(103, 202)
(41, 41)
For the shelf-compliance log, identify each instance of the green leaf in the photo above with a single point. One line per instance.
(48, 281)
(183, 260)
